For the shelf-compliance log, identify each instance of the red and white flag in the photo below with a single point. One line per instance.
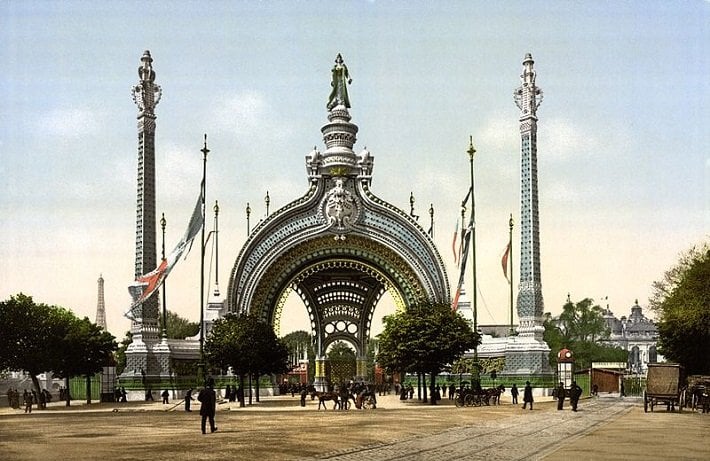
(504, 261)
(147, 284)
(453, 242)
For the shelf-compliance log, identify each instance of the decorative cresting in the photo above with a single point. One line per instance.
(338, 246)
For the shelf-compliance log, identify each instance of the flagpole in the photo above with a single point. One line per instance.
(510, 256)
(471, 151)
(164, 334)
(201, 365)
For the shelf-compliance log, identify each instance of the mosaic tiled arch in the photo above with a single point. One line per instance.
(269, 294)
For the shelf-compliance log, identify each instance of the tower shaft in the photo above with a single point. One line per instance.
(146, 95)
(530, 305)
(144, 355)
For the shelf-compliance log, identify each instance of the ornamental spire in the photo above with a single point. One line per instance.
(528, 96)
(146, 94)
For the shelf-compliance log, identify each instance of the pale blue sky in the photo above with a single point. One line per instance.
(623, 140)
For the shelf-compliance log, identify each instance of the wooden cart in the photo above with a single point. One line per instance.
(665, 383)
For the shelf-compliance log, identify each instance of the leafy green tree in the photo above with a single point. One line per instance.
(579, 328)
(682, 301)
(38, 338)
(341, 352)
(425, 338)
(31, 335)
(86, 349)
(248, 345)
(178, 327)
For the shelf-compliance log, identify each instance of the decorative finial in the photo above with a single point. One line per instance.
(510, 222)
(145, 71)
(163, 222)
(146, 94)
(267, 200)
(204, 149)
(216, 208)
(340, 80)
(471, 149)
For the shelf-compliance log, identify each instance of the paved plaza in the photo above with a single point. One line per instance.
(277, 428)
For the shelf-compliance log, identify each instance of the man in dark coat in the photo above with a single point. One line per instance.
(208, 399)
(514, 393)
(574, 393)
(188, 399)
(527, 395)
(560, 396)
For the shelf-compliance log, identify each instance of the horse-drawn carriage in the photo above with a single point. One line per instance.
(467, 397)
(665, 383)
(361, 394)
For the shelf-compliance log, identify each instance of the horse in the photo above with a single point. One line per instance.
(323, 397)
(493, 395)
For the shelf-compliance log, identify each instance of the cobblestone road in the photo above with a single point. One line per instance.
(527, 435)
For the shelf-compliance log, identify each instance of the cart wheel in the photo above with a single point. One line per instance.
(459, 400)
(470, 400)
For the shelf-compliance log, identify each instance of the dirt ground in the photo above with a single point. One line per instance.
(279, 429)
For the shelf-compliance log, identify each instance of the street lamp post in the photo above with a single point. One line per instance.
(201, 364)
(216, 248)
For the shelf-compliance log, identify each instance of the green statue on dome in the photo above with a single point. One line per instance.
(341, 79)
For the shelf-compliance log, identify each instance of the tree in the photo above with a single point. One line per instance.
(246, 344)
(579, 328)
(178, 327)
(424, 338)
(86, 349)
(31, 335)
(682, 301)
(38, 338)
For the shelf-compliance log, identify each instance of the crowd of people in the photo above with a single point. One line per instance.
(28, 398)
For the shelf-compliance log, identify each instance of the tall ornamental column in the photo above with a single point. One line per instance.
(144, 326)
(527, 353)
(530, 305)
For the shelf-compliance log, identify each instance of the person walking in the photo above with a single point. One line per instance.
(527, 395)
(29, 400)
(574, 393)
(188, 399)
(560, 396)
(208, 399)
(514, 394)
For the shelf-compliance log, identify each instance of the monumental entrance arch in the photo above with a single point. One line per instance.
(339, 247)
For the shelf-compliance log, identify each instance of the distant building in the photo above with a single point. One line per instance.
(636, 334)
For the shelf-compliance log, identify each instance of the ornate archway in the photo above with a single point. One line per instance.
(339, 247)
